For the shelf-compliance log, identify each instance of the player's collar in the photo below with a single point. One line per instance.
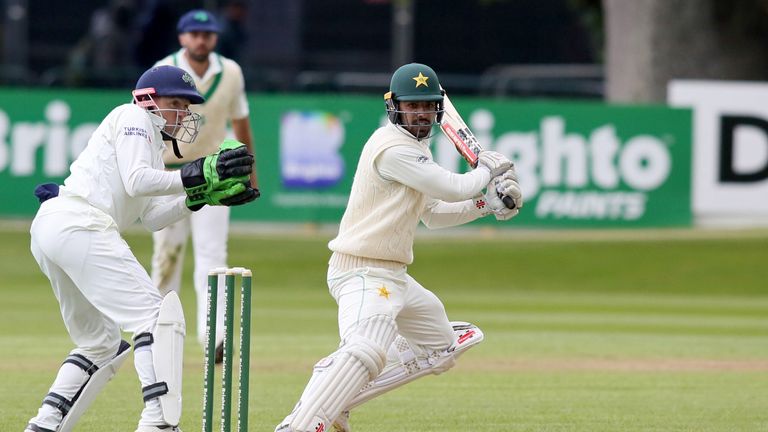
(214, 65)
(158, 122)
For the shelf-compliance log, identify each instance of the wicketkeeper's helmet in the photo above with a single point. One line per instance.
(170, 81)
(413, 82)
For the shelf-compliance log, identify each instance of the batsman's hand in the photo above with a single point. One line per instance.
(495, 162)
(504, 185)
(221, 171)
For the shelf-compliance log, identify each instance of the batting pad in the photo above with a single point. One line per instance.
(411, 367)
(167, 355)
(93, 387)
(337, 378)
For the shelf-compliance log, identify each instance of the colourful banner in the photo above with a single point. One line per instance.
(580, 164)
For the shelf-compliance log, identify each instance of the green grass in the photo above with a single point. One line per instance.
(584, 333)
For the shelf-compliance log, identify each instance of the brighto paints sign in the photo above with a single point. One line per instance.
(50, 145)
(595, 176)
(583, 169)
(580, 164)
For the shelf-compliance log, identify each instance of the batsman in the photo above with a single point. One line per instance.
(117, 180)
(392, 329)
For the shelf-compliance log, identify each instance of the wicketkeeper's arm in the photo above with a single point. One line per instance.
(134, 159)
(163, 211)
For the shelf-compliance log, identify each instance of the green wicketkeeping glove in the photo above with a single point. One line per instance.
(221, 171)
(238, 194)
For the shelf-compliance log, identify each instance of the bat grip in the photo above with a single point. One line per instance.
(508, 201)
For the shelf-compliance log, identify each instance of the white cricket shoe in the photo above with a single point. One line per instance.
(158, 429)
(341, 424)
(35, 428)
(317, 425)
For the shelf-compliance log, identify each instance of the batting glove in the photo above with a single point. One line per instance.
(495, 162)
(503, 185)
(507, 185)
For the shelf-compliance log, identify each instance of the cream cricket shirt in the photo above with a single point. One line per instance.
(397, 184)
(223, 87)
(121, 171)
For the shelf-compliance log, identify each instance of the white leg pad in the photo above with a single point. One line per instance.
(167, 355)
(337, 378)
(410, 367)
(93, 387)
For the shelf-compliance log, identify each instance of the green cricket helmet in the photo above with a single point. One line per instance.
(413, 82)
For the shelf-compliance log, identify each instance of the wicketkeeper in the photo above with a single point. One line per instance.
(102, 289)
(392, 329)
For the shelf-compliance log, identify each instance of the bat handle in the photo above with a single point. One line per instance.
(508, 201)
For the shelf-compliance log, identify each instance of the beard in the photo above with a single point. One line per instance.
(198, 55)
(421, 129)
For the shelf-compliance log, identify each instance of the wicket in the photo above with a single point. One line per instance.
(245, 347)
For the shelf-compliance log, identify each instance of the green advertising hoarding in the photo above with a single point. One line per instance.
(580, 164)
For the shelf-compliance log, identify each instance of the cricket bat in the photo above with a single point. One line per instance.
(454, 127)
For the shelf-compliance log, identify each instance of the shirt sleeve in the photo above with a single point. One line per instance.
(239, 108)
(407, 165)
(134, 159)
(163, 211)
(441, 214)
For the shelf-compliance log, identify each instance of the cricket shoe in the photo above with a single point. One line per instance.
(166, 428)
(341, 424)
(35, 428)
(317, 425)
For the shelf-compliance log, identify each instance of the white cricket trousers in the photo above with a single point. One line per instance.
(101, 289)
(364, 295)
(209, 227)
(368, 291)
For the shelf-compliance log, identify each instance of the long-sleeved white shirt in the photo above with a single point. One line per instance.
(121, 171)
(448, 193)
(397, 184)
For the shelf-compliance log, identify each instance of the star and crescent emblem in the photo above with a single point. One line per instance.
(421, 80)
(383, 292)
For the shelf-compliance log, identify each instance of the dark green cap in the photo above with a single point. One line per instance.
(415, 82)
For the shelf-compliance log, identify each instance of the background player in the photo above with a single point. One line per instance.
(392, 329)
(101, 287)
(221, 81)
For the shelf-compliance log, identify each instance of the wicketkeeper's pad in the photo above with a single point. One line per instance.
(93, 387)
(167, 356)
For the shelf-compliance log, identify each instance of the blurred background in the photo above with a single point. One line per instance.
(630, 292)
(616, 113)
(488, 47)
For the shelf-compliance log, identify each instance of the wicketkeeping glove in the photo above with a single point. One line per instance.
(210, 179)
(237, 194)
